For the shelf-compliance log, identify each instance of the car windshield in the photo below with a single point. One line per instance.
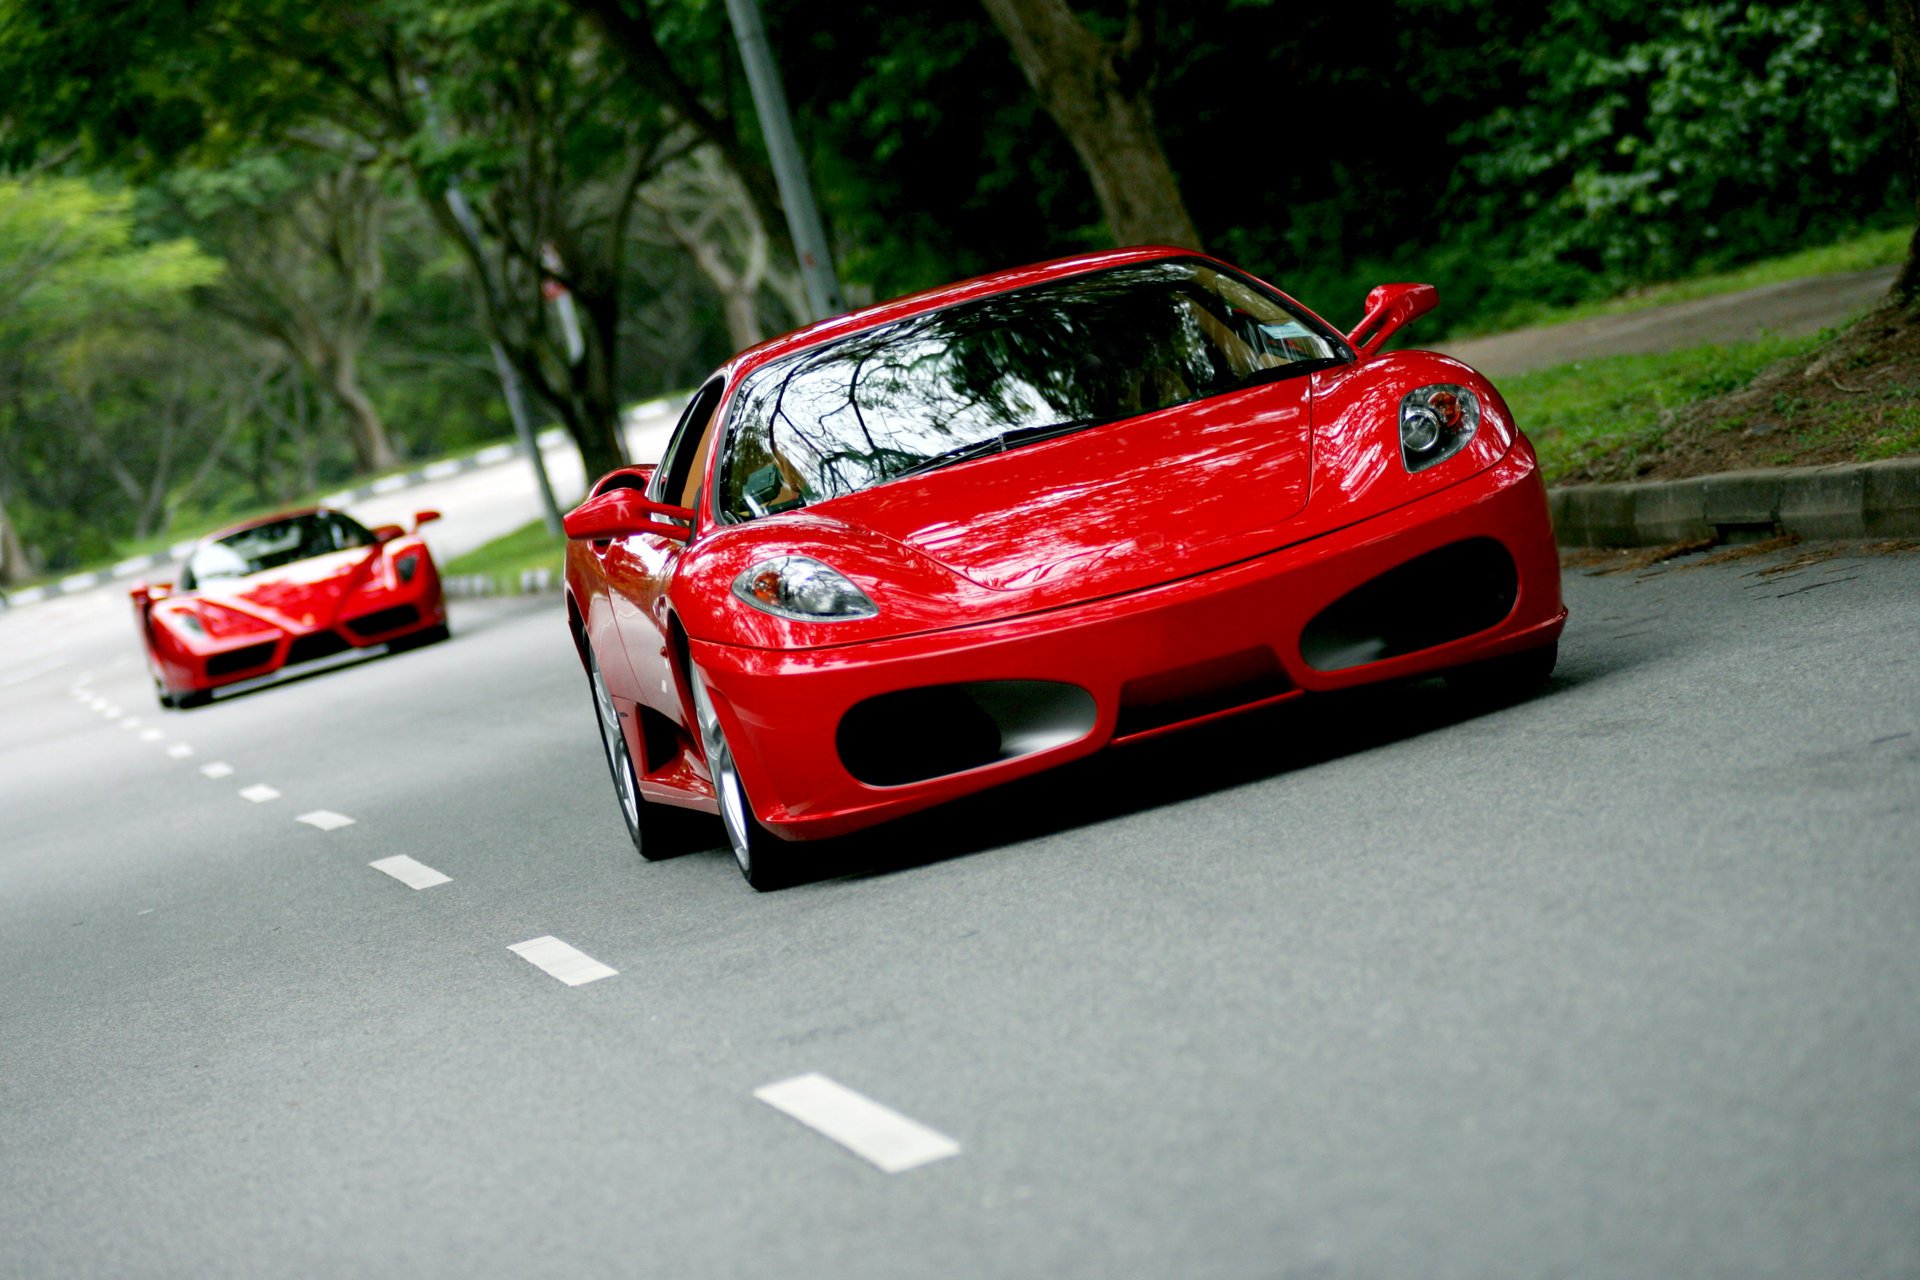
(268, 546)
(980, 376)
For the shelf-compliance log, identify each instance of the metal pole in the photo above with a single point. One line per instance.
(796, 193)
(510, 379)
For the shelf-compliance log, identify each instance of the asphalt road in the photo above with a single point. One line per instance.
(1787, 308)
(1614, 982)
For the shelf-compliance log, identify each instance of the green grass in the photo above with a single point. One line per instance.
(506, 557)
(1884, 248)
(1576, 412)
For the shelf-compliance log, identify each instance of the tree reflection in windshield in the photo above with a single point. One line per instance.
(1087, 349)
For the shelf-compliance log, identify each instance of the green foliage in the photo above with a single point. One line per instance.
(1654, 141)
(1576, 412)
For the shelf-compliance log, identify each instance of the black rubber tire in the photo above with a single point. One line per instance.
(188, 701)
(1500, 681)
(765, 860)
(420, 639)
(657, 831)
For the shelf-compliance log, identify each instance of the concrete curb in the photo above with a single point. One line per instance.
(467, 586)
(1845, 500)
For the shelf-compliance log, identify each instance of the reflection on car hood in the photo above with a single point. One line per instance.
(299, 596)
(1111, 508)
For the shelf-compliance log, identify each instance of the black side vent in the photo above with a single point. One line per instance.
(1443, 595)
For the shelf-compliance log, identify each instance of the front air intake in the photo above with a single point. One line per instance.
(916, 734)
(1443, 595)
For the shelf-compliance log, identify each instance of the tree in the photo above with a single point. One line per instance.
(1903, 21)
(1096, 91)
(301, 238)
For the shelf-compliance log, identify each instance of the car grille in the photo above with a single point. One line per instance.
(232, 660)
(321, 644)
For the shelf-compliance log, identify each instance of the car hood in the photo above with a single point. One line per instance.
(299, 596)
(1111, 508)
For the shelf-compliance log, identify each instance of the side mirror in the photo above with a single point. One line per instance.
(620, 513)
(388, 532)
(424, 517)
(637, 476)
(144, 595)
(1391, 307)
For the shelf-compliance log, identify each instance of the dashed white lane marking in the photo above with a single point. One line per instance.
(179, 751)
(259, 793)
(418, 875)
(325, 819)
(558, 960)
(131, 722)
(218, 769)
(879, 1135)
(151, 735)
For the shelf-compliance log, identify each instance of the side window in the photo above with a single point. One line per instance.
(678, 480)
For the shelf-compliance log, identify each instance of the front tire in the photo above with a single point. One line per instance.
(763, 857)
(657, 831)
(1508, 679)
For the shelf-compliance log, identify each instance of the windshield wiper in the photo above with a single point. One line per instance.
(996, 444)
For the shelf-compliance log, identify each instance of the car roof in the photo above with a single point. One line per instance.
(915, 304)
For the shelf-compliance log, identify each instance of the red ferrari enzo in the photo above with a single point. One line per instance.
(955, 539)
(285, 590)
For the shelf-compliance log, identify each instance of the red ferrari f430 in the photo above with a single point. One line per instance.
(289, 589)
(958, 538)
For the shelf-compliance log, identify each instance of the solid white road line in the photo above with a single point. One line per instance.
(218, 769)
(561, 961)
(418, 875)
(325, 819)
(879, 1135)
(179, 751)
(259, 793)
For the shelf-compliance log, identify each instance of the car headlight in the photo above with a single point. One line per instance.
(801, 588)
(1435, 423)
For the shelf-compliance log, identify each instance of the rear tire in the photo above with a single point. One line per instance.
(657, 831)
(764, 858)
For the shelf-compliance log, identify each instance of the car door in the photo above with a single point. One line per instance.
(639, 571)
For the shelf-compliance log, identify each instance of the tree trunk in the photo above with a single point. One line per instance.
(1093, 92)
(372, 451)
(597, 428)
(13, 555)
(1903, 23)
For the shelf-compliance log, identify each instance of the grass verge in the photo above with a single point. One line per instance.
(512, 554)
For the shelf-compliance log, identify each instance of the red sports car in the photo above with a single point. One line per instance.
(288, 589)
(955, 539)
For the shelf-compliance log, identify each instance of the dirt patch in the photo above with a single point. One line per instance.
(1597, 562)
(1855, 399)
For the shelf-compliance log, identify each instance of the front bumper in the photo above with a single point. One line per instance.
(209, 664)
(1239, 628)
